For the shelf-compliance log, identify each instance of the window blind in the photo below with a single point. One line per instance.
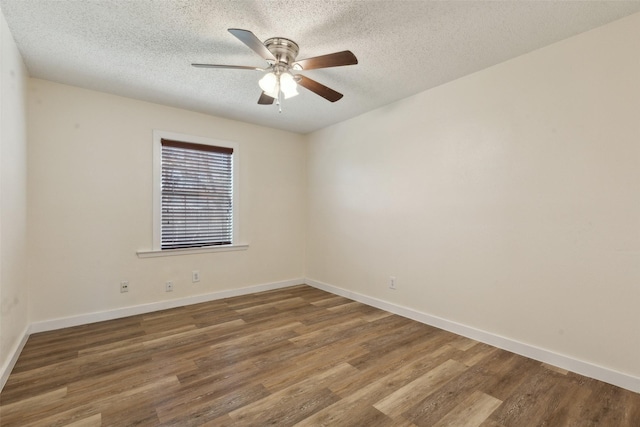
(197, 190)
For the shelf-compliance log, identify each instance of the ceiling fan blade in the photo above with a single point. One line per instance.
(265, 99)
(319, 89)
(228, 67)
(338, 59)
(254, 43)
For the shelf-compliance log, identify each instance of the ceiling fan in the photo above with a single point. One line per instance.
(279, 80)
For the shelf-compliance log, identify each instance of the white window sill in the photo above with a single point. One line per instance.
(189, 251)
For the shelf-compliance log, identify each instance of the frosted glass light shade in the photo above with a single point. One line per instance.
(288, 85)
(269, 84)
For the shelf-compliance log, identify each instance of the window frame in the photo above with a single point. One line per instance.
(158, 136)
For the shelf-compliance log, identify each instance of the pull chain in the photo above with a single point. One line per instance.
(279, 100)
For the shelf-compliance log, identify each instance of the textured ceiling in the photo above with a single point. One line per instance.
(143, 48)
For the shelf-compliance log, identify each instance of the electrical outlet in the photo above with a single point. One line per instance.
(392, 283)
(168, 287)
(124, 286)
(195, 276)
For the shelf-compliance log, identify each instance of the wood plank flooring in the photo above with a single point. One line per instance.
(294, 356)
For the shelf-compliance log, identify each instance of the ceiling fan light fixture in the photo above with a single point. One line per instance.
(288, 85)
(269, 84)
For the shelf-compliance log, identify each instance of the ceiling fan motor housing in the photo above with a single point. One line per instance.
(284, 50)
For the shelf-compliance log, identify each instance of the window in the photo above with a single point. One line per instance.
(197, 195)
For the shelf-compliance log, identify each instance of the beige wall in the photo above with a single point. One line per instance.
(508, 200)
(13, 202)
(90, 204)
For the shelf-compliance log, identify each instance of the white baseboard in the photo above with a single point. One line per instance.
(83, 319)
(6, 369)
(607, 375)
(571, 364)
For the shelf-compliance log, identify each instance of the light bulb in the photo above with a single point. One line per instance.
(288, 85)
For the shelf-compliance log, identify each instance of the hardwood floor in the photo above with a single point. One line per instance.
(295, 356)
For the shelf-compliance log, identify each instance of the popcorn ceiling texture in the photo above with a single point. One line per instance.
(143, 49)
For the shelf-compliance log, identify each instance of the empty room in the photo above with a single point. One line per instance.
(319, 213)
